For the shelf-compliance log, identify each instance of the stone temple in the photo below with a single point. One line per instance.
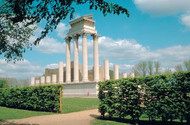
(77, 79)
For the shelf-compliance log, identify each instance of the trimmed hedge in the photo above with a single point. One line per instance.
(164, 96)
(38, 98)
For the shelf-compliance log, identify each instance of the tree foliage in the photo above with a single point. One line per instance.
(30, 12)
(53, 11)
(14, 37)
(187, 65)
(38, 98)
(162, 96)
(145, 68)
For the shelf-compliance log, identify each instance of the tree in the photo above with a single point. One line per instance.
(178, 68)
(52, 11)
(14, 37)
(168, 70)
(187, 65)
(150, 67)
(157, 66)
(140, 69)
(3, 83)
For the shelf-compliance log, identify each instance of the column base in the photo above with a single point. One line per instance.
(96, 80)
(68, 81)
(85, 80)
(76, 81)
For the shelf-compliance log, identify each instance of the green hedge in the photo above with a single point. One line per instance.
(38, 98)
(164, 96)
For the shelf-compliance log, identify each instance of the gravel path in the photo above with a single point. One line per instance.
(76, 118)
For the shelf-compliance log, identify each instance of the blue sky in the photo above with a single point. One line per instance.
(156, 30)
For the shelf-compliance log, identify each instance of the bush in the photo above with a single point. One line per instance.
(164, 96)
(3, 84)
(38, 98)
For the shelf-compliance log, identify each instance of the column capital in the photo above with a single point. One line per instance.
(95, 35)
(68, 38)
(76, 36)
(84, 35)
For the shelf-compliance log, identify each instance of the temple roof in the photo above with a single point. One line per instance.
(86, 17)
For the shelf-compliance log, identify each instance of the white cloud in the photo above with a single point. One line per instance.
(52, 66)
(20, 69)
(62, 30)
(185, 19)
(166, 7)
(50, 45)
(129, 52)
(163, 7)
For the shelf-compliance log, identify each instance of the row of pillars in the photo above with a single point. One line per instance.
(53, 78)
(84, 58)
(116, 71)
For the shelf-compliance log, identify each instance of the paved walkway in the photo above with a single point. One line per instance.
(76, 118)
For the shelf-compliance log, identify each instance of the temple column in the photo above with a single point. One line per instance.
(32, 81)
(60, 72)
(68, 61)
(106, 70)
(48, 79)
(76, 58)
(124, 75)
(84, 58)
(42, 79)
(132, 75)
(96, 58)
(54, 78)
(116, 72)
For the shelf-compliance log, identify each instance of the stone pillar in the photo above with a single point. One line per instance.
(60, 72)
(124, 75)
(116, 72)
(96, 58)
(68, 61)
(48, 79)
(42, 79)
(76, 58)
(132, 75)
(106, 70)
(84, 58)
(32, 82)
(37, 82)
(54, 78)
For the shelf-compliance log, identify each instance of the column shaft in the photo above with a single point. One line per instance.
(106, 70)
(68, 61)
(76, 59)
(84, 58)
(116, 72)
(124, 75)
(54, 78)
(32, 81)
(60, 72)
(96, 58)
(42, 79)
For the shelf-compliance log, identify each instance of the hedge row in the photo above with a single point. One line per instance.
(166, 97)
(38, 98)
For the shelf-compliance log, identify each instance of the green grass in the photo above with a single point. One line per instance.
(127, 121)
(79, 104)
(68, 105)
(106, 122)
(11, 113)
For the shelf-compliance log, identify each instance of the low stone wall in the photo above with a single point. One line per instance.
(88, 89)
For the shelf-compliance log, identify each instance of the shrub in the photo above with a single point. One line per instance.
(164, 96)
(39, 98)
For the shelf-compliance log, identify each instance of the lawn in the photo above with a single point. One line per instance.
(11, 113)
(68, 105)
(127, 121)
(79, 104)
(106, 122)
